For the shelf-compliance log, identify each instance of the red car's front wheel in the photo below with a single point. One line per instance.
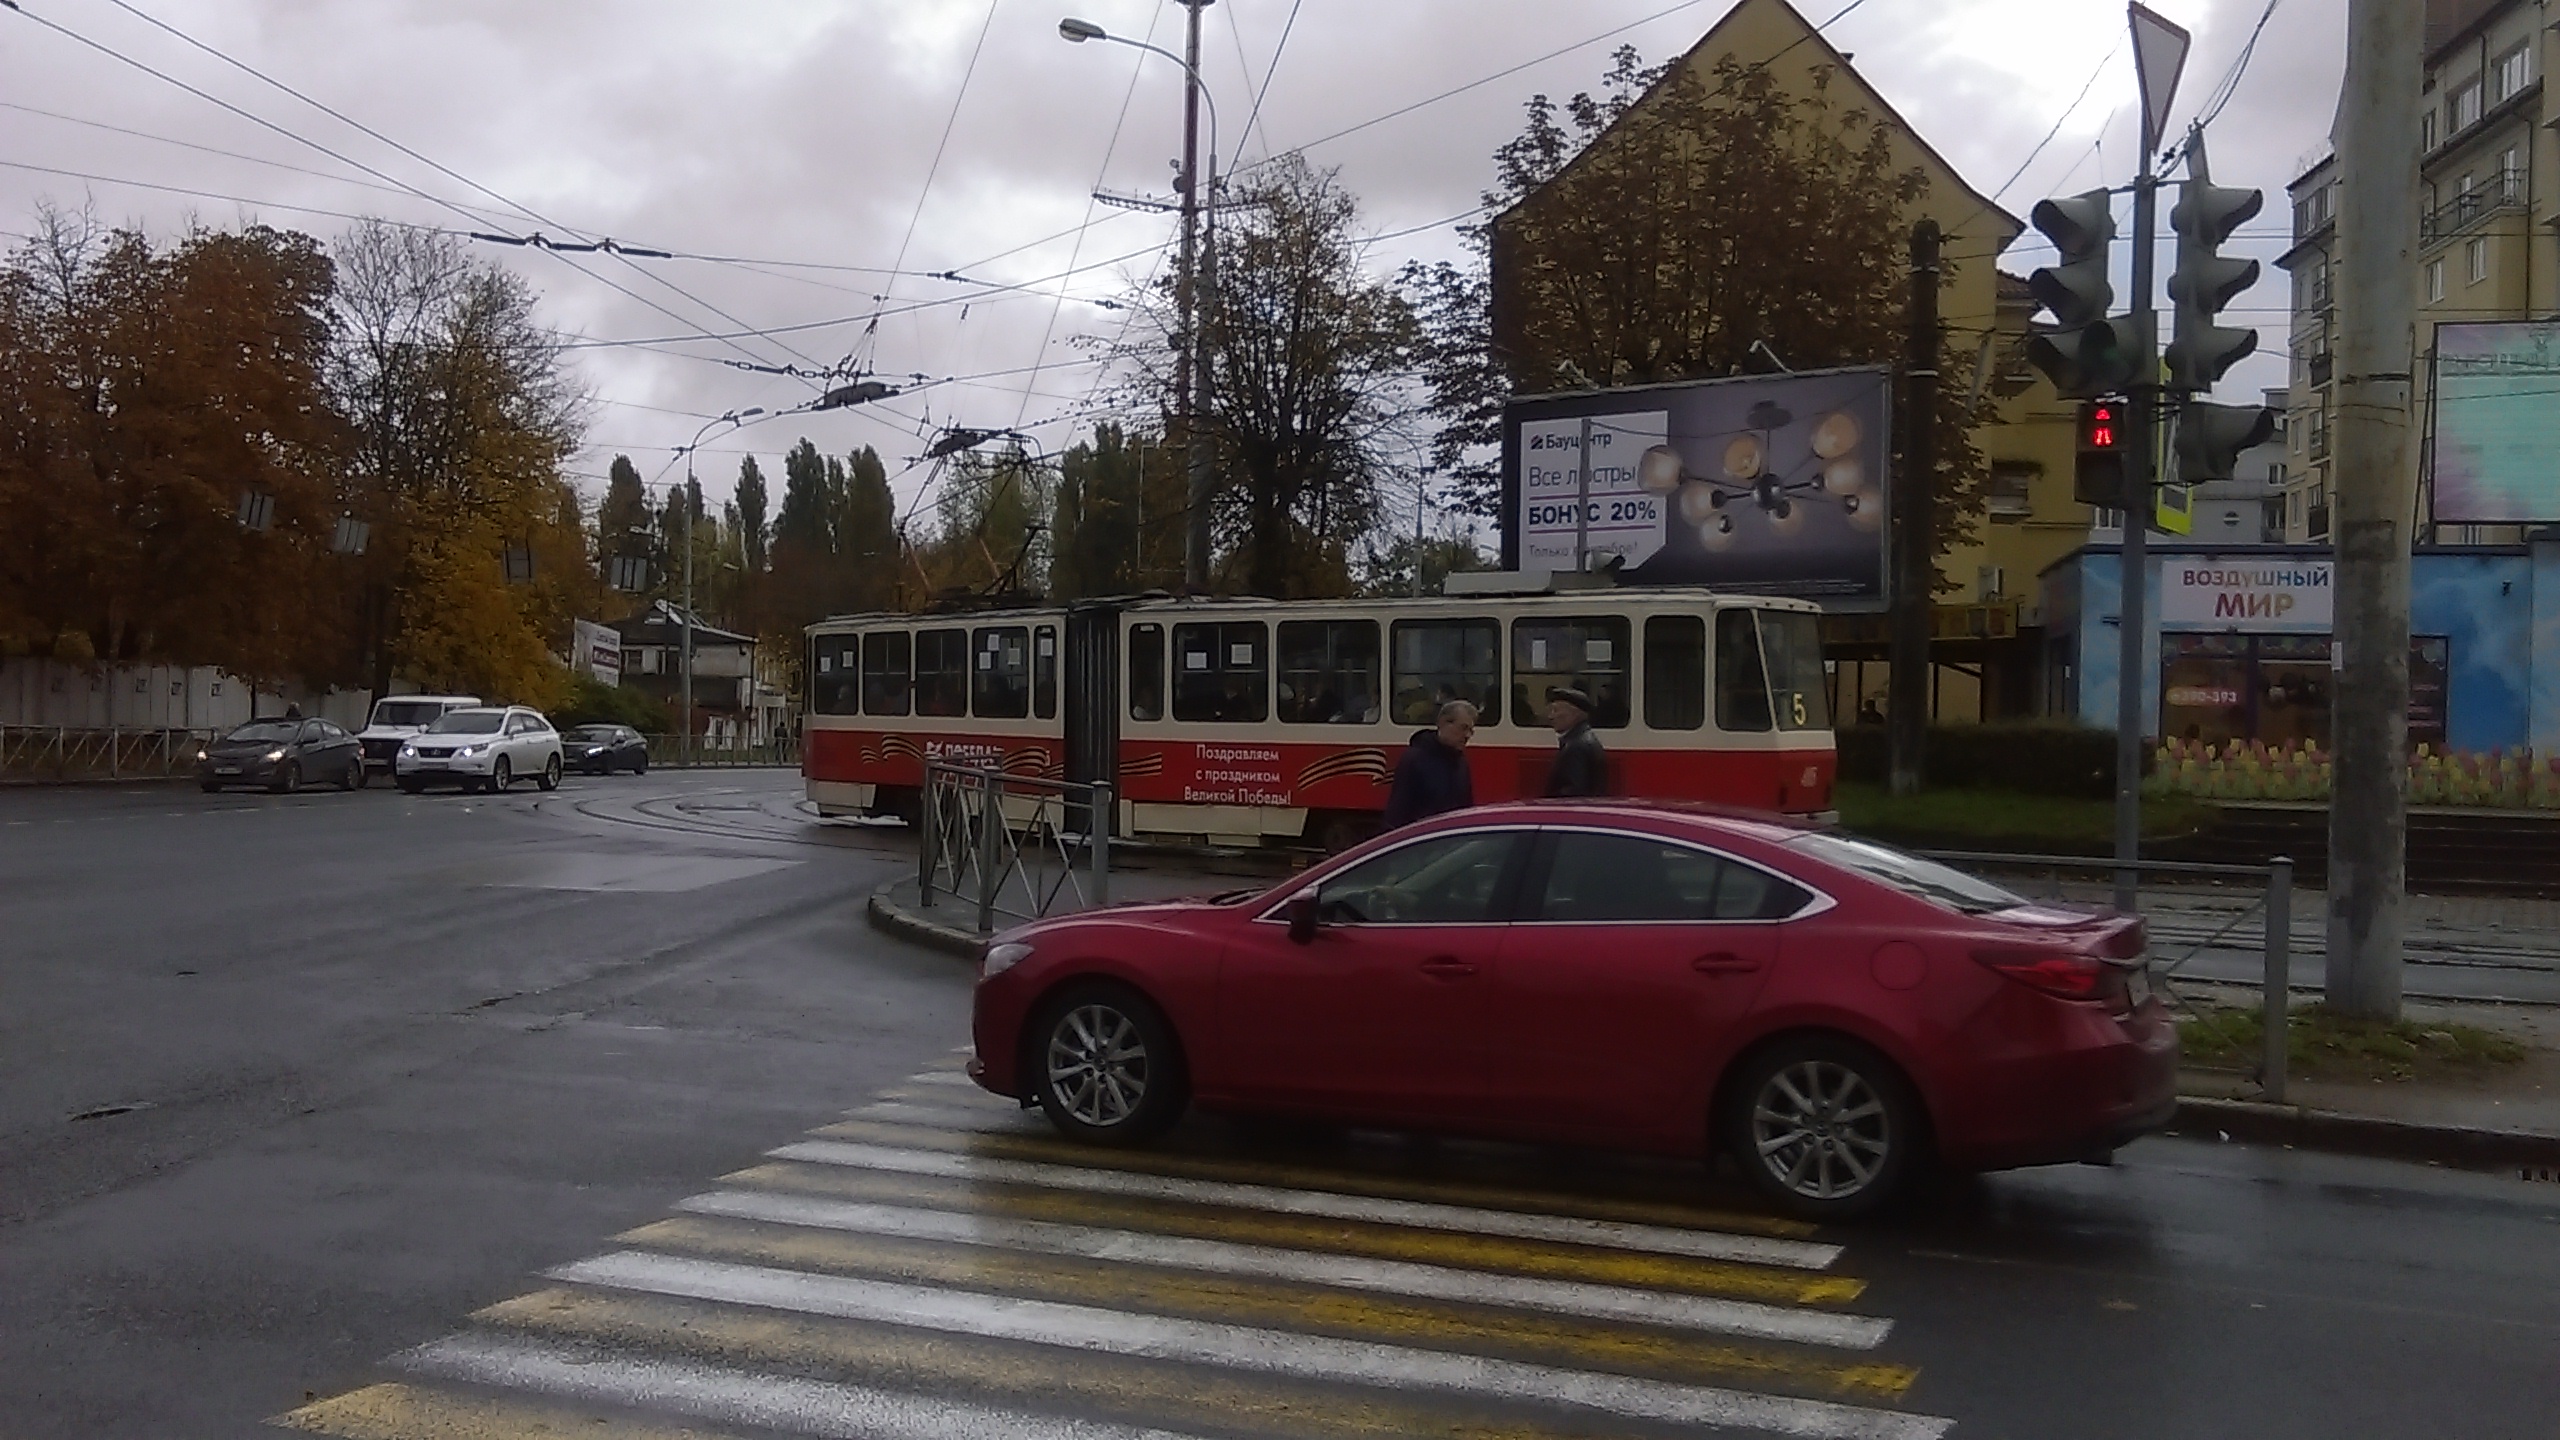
(1108, 1067)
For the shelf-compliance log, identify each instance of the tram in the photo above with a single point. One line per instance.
(1249, 722)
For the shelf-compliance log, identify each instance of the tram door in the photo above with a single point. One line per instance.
(1093, 700)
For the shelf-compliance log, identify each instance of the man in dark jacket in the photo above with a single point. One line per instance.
(1432, 778)
(1582, 766)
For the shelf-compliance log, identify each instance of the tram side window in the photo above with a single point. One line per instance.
(1328, 672)
(1000, 687)
(942, 672)
(885, 680)
(1587, 653)
(1742, 686)
(1799, 690)
(1437, 661)
(1675, 672)
(1222, 673)
(1044, 672)
(1146, 672)
(832, 684)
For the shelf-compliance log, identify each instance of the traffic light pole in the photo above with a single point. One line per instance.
(2141, 461)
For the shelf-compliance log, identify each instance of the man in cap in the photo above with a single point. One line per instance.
(1582, 766)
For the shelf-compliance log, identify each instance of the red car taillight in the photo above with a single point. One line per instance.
(2065, 973)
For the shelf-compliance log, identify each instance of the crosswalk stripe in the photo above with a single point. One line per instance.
(1242, 1347)
(1024, 1376)
(1496, 1253)
(1703, 1244)
(1519, 1334)
(395, 1411)
(775, 1401)
(922, 1112)
(920, 1127)
(954, 1079)
(1436, 1282)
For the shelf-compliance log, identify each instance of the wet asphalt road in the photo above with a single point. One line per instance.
(301, 1097)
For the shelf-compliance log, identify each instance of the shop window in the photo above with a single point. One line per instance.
(942, 672)
(1437, 661)
(1146, 672)
(1000, 673)
(1742, 682)
(1675, 672)
(885, 677)
(1328, 672)
(1222, 673)
(1589, 655)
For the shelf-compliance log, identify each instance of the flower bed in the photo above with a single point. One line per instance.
(2253, 770)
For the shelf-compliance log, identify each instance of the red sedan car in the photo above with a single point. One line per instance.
(1831, 1013)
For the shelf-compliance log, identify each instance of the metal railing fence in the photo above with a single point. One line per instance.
(60, 752)
(1012, 845)
(671, 751)
(2273, 906)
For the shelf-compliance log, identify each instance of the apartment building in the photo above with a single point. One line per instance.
(2486, 247)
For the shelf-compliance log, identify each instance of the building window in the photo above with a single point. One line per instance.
(2479, 255)
(2427, 131)
(2010, 493)
(2511, 174)
(2514, 71)
(2435, 282)
(2466, 109)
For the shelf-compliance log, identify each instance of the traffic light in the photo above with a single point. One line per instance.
(2087, 354)
(2206, 280)
(2210, 438)
(2097, 475)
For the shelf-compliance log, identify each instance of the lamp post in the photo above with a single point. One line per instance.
(684, 656)
(1199, 274)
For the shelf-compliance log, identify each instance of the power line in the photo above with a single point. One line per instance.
(1235, 27)
(948, 124)
(2058, 122)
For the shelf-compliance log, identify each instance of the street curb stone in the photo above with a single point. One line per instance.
(892, 918)
(2460, 1146)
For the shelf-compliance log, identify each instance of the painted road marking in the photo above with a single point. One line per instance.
(1437, 1282)
(396, 1411)
(1021, 1141)
(1703, 1244)
(1240, 1347)
(781, 1402)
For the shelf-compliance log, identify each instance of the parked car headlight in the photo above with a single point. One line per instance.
(1001, 958)
(408, 749)
(199, 754)
(472, 749)
(275, 754)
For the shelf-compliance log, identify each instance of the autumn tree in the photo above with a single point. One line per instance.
(463, 416)
(748, 515)
(1112, 528)
(1686, 222)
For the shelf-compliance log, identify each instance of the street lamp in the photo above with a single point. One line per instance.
(1199, 272)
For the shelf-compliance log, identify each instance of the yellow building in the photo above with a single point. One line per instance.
(1988, 651)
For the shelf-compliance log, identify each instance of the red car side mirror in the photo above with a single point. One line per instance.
(1303, 917)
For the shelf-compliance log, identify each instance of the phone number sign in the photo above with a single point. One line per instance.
(1618, 518)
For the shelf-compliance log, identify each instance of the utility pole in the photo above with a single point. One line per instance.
(1191, 366)
(1914, 567)
(2377, 140)
(2141, 464)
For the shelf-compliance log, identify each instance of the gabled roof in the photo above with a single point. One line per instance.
(663, 624)
(1822, 53)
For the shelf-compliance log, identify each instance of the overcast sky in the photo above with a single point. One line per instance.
(803, 131)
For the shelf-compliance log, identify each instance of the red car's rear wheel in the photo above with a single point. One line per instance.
(1824, 1126)
(1108, 1067)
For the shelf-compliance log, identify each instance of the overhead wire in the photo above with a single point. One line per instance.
(932, 170)
(120, 57)
(2058, 122)
(449, 172)
(1253, 116)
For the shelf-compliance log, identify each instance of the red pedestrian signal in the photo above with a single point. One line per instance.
(2098, 472)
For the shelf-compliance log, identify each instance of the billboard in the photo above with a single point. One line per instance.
(596, 650)
(1768, 484)
(2492, 451)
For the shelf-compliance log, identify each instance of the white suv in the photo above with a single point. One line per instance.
(397, 718)
(489, 747)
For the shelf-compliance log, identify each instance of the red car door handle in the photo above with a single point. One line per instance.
(1447, 967)
(1723, 962)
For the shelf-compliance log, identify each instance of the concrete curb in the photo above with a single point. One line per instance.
(891, 918)
(2459, 1146)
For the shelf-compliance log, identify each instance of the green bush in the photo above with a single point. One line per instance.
(2033, 757)
(596, 703)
